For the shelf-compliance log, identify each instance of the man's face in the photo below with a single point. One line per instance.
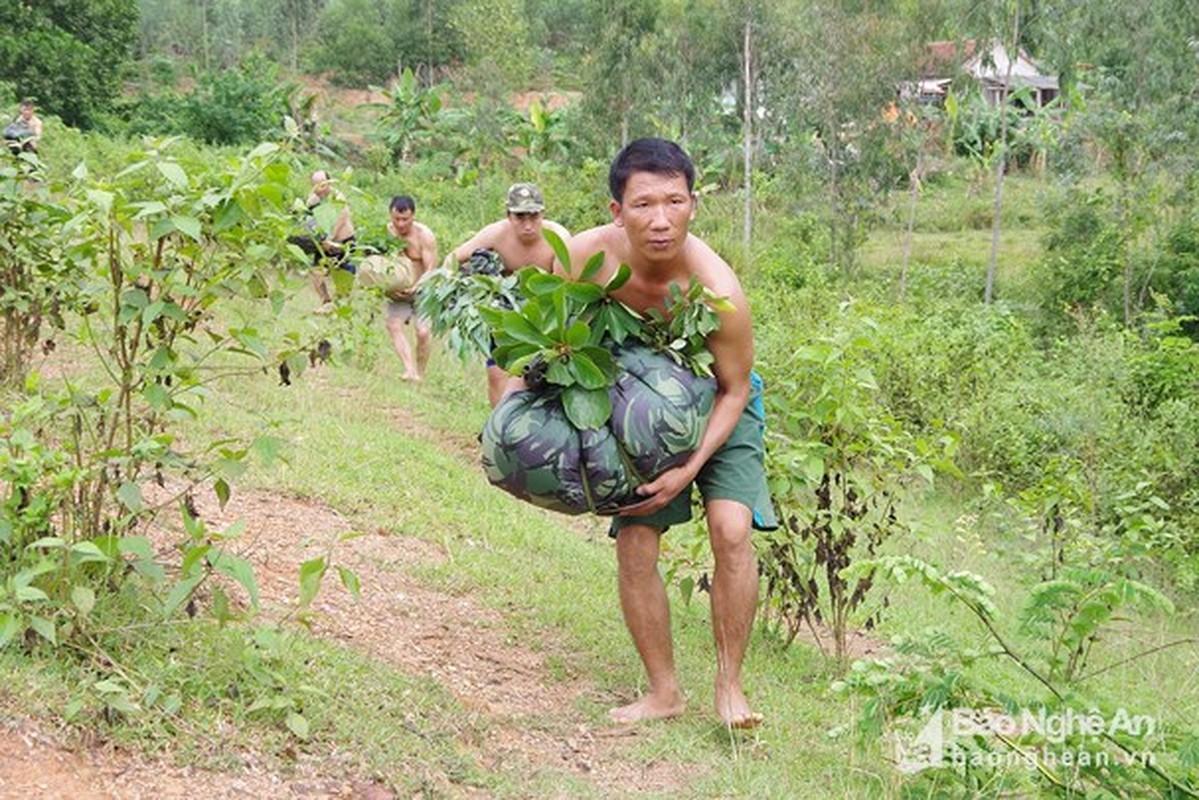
(401, 222)
(527, 224)
(26, 111)
(321, 185)
(656, 213)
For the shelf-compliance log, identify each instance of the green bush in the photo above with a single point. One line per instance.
(237, 106)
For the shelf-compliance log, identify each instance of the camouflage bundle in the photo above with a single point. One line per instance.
(659, 412)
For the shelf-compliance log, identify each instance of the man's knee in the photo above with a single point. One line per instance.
(729, 524)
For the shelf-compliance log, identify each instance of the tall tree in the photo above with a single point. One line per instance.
(831, 79)
(68, 54)
(618, 62)
(1005, 98)
(367, 41)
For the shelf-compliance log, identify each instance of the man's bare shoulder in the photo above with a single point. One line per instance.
(710, 267)
(608, 239)
(424, 231)
(489, 234)
(601, 237)
(557, 228)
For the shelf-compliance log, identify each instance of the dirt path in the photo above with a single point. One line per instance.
(531, 721)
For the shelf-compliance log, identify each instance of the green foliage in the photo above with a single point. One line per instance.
(409, 117)
(495, 42)
(933, 672)
(452, 300)
(68, 54)
(363, 42)
(543, 135)
(237, 106)
(157, 252)
(38, 277)
(840, 465)
(1084, 254)
(1069, 612)
(975, 125)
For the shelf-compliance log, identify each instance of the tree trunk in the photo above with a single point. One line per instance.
(1123, 215)
(1001, 166)
(913, 196)
(747, 126)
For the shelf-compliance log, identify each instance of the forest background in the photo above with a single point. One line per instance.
(977, 323)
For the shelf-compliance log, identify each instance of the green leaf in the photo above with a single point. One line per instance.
(130, 495)
(88, 552)
(559, 247)
(686, 587)
(239, 570)
(173, 173)
(84, 599)
(267, 449)
(44, 628)
(121, 703)
(537, 282)
(592, 266)
(623, 273)
(221, 488)
(558, 373)
(583, 293)
(139, 546)
(602, 359)
(587, 374)
(577, 335)
(101, 200)
(71, 710)
(9, 627)
(30, 594)
(47, 542)
(520, 329)
(312, 572)
(180, 593)
(1188, 750)
(157, 396)
(264, 149)
(192, 556)
(297, 724)
(220, 605)
(188, 226)
(349, 579)
(587, 409)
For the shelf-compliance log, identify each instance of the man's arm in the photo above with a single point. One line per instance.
(427, 254)
(344, 228)
(484, 239)
(732, 349)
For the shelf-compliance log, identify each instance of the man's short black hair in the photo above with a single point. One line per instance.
(401, 203)
(659, 156)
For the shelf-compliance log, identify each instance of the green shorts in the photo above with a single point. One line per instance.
(737, 471)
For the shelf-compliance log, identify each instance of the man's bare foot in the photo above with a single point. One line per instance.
(408, 376)
(648, 707)
(733, 710)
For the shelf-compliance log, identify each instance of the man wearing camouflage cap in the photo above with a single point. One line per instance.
(517, 240)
